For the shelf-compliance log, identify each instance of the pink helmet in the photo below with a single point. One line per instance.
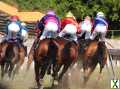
(51, 12)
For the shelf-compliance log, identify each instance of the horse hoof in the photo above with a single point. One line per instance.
(55, 82)
(40, 87)
(69, 74)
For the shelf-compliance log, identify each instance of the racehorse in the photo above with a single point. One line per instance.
(11, 55)
(43, 56)
(66, 56)
(94, 52)
(57, 52)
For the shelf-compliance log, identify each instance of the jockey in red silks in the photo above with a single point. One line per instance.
(86, 27)
(48, 26)
(100, 26)
(69, 26)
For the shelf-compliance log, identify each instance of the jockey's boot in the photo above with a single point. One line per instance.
(35, 44)
(25, 48)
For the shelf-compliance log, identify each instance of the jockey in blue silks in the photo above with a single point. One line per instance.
(13, 33)
(13, 28)
(16, 30)
(100, 26)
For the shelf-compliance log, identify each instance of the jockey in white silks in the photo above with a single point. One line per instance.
(86, 27)
(100, 26)
(24, 32)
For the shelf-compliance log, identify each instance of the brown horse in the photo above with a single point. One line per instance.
(94, 52)
(11, 55)
(43, 56)
(57, 52)
(67, 55)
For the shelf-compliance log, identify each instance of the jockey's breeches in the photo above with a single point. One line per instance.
(51, 26)
(70, 29)
(99, 29)
(13, 27)
(86, 27)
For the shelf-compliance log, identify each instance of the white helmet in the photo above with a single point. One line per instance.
(23, 24)
(100, 14)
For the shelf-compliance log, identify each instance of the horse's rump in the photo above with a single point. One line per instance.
(70, 51)
(47, 48)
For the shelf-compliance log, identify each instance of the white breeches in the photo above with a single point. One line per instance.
(24, 34)
(13, 27)
(86, 27)
(99, 29)
(50, 30)
(69, 29)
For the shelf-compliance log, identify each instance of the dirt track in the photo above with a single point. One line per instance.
(26, 80)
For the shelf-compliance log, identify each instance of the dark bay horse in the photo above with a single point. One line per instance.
(11, 55)
(94, 52)
(66, 56)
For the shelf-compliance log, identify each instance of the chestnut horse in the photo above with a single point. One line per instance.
(94, 52)
(57, 52)
(11, 55)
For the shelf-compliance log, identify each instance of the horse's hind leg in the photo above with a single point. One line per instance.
(30, 58)
(21, 60)
(10, 70)
(43, 70)
(65, 68)
(56, 69)
(88, 71)
(37, 67)
(2, 70)
(6, 67)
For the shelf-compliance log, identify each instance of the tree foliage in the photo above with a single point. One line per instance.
(80, 8)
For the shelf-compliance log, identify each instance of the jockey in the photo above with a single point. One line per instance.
(86, 27)
(24, 36)
(50, 23)
(100, 26)
(13, 28)
(69, 26)
(24, 32)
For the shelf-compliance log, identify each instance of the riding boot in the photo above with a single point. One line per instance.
(25, 48)
(35, 44)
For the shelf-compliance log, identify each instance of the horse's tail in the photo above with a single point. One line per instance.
(52, 48)
(52, 53)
